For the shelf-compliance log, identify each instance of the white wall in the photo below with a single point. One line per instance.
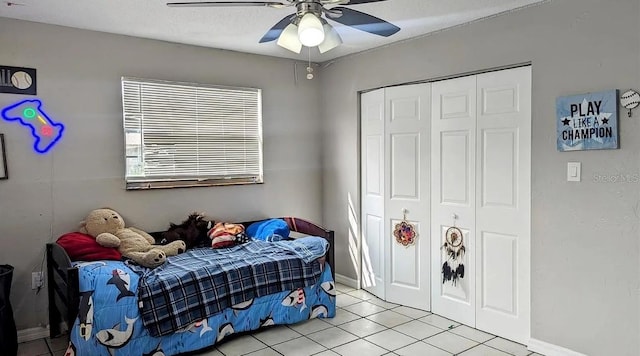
(79, 83)
(584, 238)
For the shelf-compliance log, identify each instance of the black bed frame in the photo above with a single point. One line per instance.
(63, 285)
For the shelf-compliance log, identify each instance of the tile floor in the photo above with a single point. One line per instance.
(364, 325)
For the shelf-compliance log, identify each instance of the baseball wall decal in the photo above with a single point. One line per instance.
(18, 80)
(21, 80)
(630, 99)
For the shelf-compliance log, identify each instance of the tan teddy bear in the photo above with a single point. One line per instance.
(107, 226)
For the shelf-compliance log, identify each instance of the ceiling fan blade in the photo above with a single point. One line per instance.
(276, 30)
(227, 3)
(356, 2)
(363, 22)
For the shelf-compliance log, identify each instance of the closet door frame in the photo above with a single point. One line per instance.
(480, 243)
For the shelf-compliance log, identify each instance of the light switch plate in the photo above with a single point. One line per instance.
(573, 171)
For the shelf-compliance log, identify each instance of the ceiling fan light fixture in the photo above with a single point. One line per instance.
(289, 39)
(331, 39)
(310, 30)
(307, 27)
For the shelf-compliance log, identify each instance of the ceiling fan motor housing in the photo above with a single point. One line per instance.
(305, 7)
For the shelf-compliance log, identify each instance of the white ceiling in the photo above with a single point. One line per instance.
(240, 28)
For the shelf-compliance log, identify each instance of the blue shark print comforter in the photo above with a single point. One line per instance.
(109, 320)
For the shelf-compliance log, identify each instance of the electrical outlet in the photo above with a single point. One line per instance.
(36, 280)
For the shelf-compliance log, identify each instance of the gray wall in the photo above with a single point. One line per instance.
(584, 238)
(585, 263)
(79, 83)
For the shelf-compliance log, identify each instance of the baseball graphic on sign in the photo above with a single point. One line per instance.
(630, 99)
(21, 80)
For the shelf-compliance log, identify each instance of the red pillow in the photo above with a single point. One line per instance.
(83, 247)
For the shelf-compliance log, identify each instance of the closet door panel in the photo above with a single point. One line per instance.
(405, 166)
(405, 272)
(498, 279)
(372, 258)
(504, 203)
(453, 190)
(499, 161)
(372, 192)
(374, 152)
(458, 292)
(455, 154)
(407, 177)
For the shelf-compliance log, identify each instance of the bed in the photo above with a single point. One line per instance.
(109, 307)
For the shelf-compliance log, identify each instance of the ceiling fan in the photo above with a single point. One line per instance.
(307, 26)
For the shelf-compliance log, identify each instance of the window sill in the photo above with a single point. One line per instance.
(190, 183)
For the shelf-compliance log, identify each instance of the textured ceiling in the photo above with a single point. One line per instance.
(240, 28)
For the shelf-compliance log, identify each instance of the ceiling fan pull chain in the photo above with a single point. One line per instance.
(309, 68)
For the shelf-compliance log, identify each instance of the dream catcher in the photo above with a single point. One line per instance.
(405, 232)
(454, 250)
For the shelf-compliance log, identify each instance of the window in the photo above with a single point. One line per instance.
(186, 134)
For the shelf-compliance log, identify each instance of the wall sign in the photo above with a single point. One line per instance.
(587, 121)
(29, 113)
(4, 172)
(17, 80)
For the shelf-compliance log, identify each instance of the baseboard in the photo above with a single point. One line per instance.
(548, 349)
(39, 332)
(31, 334)
(350, 282)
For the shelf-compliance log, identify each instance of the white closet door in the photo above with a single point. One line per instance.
(407, 189)
(372, 191)
(503, 204)
(453, 192)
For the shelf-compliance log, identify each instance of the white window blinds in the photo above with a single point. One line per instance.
(183, 134)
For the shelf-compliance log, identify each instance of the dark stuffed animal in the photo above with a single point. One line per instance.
(193, 231)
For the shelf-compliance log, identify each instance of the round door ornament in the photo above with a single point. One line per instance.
(404, 232)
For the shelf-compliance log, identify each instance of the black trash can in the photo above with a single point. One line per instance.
(8, 333)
